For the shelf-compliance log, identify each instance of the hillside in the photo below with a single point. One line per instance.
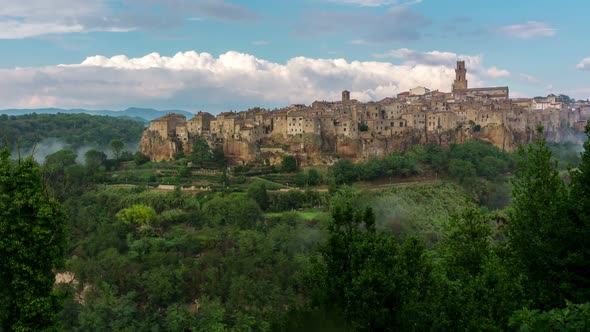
(68, 130)
(146, 114)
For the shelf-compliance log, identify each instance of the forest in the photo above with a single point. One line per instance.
(460, 238)
(73, 130)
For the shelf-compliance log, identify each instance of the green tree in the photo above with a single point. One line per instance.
(140, 215)
(257, 191)
(345, 172)
(117, 147)
(575, 317)
(538, 226)
(94, 160)
(140, 158)
(234, 209)
(476, 290)
(289, 164)
(314, 177)
(577, 232)
(201, 152)
(32, 245)
(57, 173)
(361, 273)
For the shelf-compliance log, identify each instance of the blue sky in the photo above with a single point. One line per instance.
(238, 54)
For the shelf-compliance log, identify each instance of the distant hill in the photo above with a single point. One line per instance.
(147, 114)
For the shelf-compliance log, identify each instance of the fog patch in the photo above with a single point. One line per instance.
(52, 145)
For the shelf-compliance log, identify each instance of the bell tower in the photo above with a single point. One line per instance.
(345, 96)
(460, 77)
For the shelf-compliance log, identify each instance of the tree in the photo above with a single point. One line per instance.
(234, 209)
(368, 278)
(32, 245)
(345, 172)
(201, 152)
(117, 146)
(56, 170)
(289, 164)
(538, 227)
(94, 160)
(257, 191)
(575, 317)
(578, 231)
(476, 290)
(140, 158)
(138, 214)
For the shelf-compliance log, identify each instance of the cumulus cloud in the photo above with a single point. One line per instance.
(529, 30)
(399, 23)
(584, 64)
(24, 19)
(194, 80)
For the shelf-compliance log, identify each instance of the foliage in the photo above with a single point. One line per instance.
(140, 158)
(344, 172)
(289, 164)
(257, 191)
(234, 209)
(140, 215)
(309, 177)
(32, 245)
(420, 210)
(539, 227)
(361, 271)
(117, 147)
(94, 160)
(575, 317)
(76, 130)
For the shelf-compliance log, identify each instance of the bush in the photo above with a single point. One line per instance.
(289, 164)
(141, 158)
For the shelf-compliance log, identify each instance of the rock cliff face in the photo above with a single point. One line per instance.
(158, 148)
(311, 149)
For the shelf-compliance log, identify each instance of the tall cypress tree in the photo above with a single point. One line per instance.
(32, 245)
(578, 244)
(539, 224)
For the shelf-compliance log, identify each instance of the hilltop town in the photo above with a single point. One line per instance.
(327, 130)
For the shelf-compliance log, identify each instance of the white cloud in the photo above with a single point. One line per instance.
(194, 80)
(529, 30)
(30, 18)
(24, 19)
(494, 72)
(584, 64)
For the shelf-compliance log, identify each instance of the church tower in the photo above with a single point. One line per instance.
(460, 77)
(345, 96)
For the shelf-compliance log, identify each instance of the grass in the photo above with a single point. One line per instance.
(270, 185)
(304, 215)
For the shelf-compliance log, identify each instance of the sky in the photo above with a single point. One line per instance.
(221, 55)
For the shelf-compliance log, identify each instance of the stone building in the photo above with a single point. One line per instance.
(377, 128)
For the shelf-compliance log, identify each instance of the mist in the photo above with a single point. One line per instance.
(52, 145)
